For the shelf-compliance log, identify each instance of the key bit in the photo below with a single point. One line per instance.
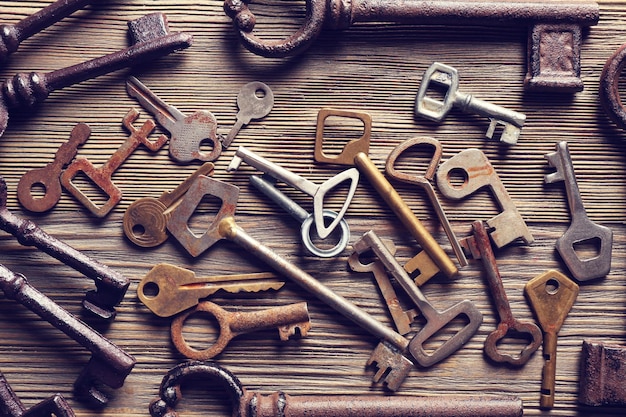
(11, 406)
(582, 229)
(168, 289)
(255, 101)
(602, 374)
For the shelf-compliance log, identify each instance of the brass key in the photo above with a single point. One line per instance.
(167, 289)
(551, 295)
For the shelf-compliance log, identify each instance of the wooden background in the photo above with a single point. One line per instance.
(375, 68)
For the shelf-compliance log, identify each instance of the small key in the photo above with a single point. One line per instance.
(288, 319)
(582, 229)
(167, 289)
(446, 76)
(11, 406)
(101, 177)
(188, 133)
(551, 295)
(145, 220)
(508, 326)
(255, 101)
(478, 172)
(48, 176)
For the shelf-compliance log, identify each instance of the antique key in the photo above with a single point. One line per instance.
(278, 404)
(581, 229)
(168, 289)
(287, 319)
(442, 75)
(11, 406)
(188, 133)
(145, 219)
(551, 295)
(48, 176)
(318, 192)
(101, 176)
(110, 285)
(508, 326)
(255, 101)
(478, 173)
(432, 258)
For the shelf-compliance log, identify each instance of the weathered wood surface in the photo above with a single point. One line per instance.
(375, 68)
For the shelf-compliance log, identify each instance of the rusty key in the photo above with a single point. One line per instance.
(11, 406)
(508, 326)
(551, 295)
(255, 101)
(48, 176)
(110, 285)
(102, 176)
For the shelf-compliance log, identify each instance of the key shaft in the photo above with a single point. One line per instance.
(164, 113)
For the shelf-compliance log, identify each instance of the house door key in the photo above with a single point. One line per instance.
(255, 101)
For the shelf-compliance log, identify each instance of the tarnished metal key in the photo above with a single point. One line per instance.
(508, 327)
(110, 285)
(581, 230)
(102, 176)
(255, 101)
(318, 192)
(145, 220)
(551, 295)
(188, 132)
(442, 75)
(11, 406)
(168, 289)
(278, 404)
(602, 375)
(48, 176)
(289, 320)
(479, 173)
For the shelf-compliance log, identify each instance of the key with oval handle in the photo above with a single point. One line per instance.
(255, 101)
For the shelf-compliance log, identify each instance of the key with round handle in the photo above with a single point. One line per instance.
(255, 101)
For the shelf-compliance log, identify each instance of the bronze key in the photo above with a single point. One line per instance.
(551, 295)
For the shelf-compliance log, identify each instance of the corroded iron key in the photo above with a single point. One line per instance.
(48, 176)
(188, 132)
(582, 229)
(168, 289)
(145, 220)
(441, 75)
(551, 295)
(11, 406)
(255, 101)
(102, 176)
(110, 285)
(289, 320)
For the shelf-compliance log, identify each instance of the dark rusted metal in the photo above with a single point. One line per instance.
(602, 374)
(252, 404)
(110, 285)
(108, 365)
(609, 87)
(11, 406)
(554, 28)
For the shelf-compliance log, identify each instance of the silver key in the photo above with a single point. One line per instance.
(446, 76)
(188, 133)
(255, 101)
(582, 229)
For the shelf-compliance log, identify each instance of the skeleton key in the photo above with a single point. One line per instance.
(11, 406)
(478, 172)
(188, 133)
(255, 101)
(443, 75)
(48, 176)
(145, 220)
(167, 289)
(551, 295)
(508, 325)
(101, 176)
(287, 319)
(582, 229)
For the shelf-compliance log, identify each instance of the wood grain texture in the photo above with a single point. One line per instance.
(371, 67)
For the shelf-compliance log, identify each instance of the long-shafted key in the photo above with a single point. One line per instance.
(581, 230)
(255, 101)
(168, 289)
(188, 132)
(442, 75)
(551, 295)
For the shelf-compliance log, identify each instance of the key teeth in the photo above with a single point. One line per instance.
(302, 329)
(391, 365)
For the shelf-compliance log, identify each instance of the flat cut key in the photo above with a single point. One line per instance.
(581, 230)
(442, 75)
(168, 289)
(289, 320)
(255, 101)
(551, 295)
(188, 133)
(145, 220)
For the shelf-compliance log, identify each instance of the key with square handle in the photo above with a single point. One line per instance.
(551, 295)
